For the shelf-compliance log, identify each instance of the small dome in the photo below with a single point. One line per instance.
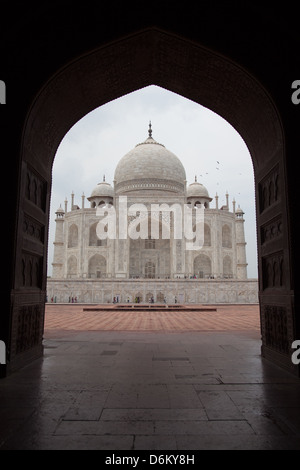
(59, 210)
(102, 190)
(197, 190)
(149, 165)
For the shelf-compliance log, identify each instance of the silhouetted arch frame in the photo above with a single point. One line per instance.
(157, 57)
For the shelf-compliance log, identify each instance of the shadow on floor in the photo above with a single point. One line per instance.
(150, 391)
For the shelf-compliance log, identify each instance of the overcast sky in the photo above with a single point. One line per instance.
(199, 137)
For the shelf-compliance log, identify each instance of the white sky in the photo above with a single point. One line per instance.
(198, 136)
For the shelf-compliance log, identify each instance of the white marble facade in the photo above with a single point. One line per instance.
(124, 263)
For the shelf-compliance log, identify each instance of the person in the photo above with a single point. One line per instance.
(175, 299)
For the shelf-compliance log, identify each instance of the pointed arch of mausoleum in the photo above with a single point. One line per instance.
(226, 236)
(73, 236)
(202, 266)
(97, 266)
(72, 267)
(227, 266)
(156, 57)
(94, 240)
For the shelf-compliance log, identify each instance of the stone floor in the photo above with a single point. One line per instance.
(80, 317)
(150, 389)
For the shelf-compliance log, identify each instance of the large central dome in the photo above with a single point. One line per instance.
(149, 166)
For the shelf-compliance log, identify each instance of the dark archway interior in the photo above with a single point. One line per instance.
(74, 76)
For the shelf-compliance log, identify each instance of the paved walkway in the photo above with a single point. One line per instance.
(160, 387)
(68, 317)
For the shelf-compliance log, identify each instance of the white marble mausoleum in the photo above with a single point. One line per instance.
(134, 240)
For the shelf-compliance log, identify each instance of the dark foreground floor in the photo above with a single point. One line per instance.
(127, 390)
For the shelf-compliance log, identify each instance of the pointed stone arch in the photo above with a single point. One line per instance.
(94, 240)
(226, 236)
(72, 267)
(227, 267)
(154, 56)
(97, 267)
(73, 236)
(202, 266)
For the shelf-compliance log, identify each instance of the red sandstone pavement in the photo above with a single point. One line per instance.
(73, 317)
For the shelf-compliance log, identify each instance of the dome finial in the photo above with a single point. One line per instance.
(150, 129)
(195, 178)
(103, 178)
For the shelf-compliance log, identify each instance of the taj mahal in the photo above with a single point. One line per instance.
(148, 260)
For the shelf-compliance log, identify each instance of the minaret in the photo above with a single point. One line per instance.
(241, 261)
(217, 199)
(58, 243)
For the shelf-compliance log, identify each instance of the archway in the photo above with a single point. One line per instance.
(202, 266)
(73, 236)
(72, 267)
(150, 257)
(156, 57)
(97, 266)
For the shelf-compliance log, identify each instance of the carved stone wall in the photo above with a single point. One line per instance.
(273, 270)
(276, 330)
(26, 328)
(28, 295)
(209, 291)
(269, 190)
(31, 270)
(29, 327)
(276, 295)
(271, 231)
(35, 189)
